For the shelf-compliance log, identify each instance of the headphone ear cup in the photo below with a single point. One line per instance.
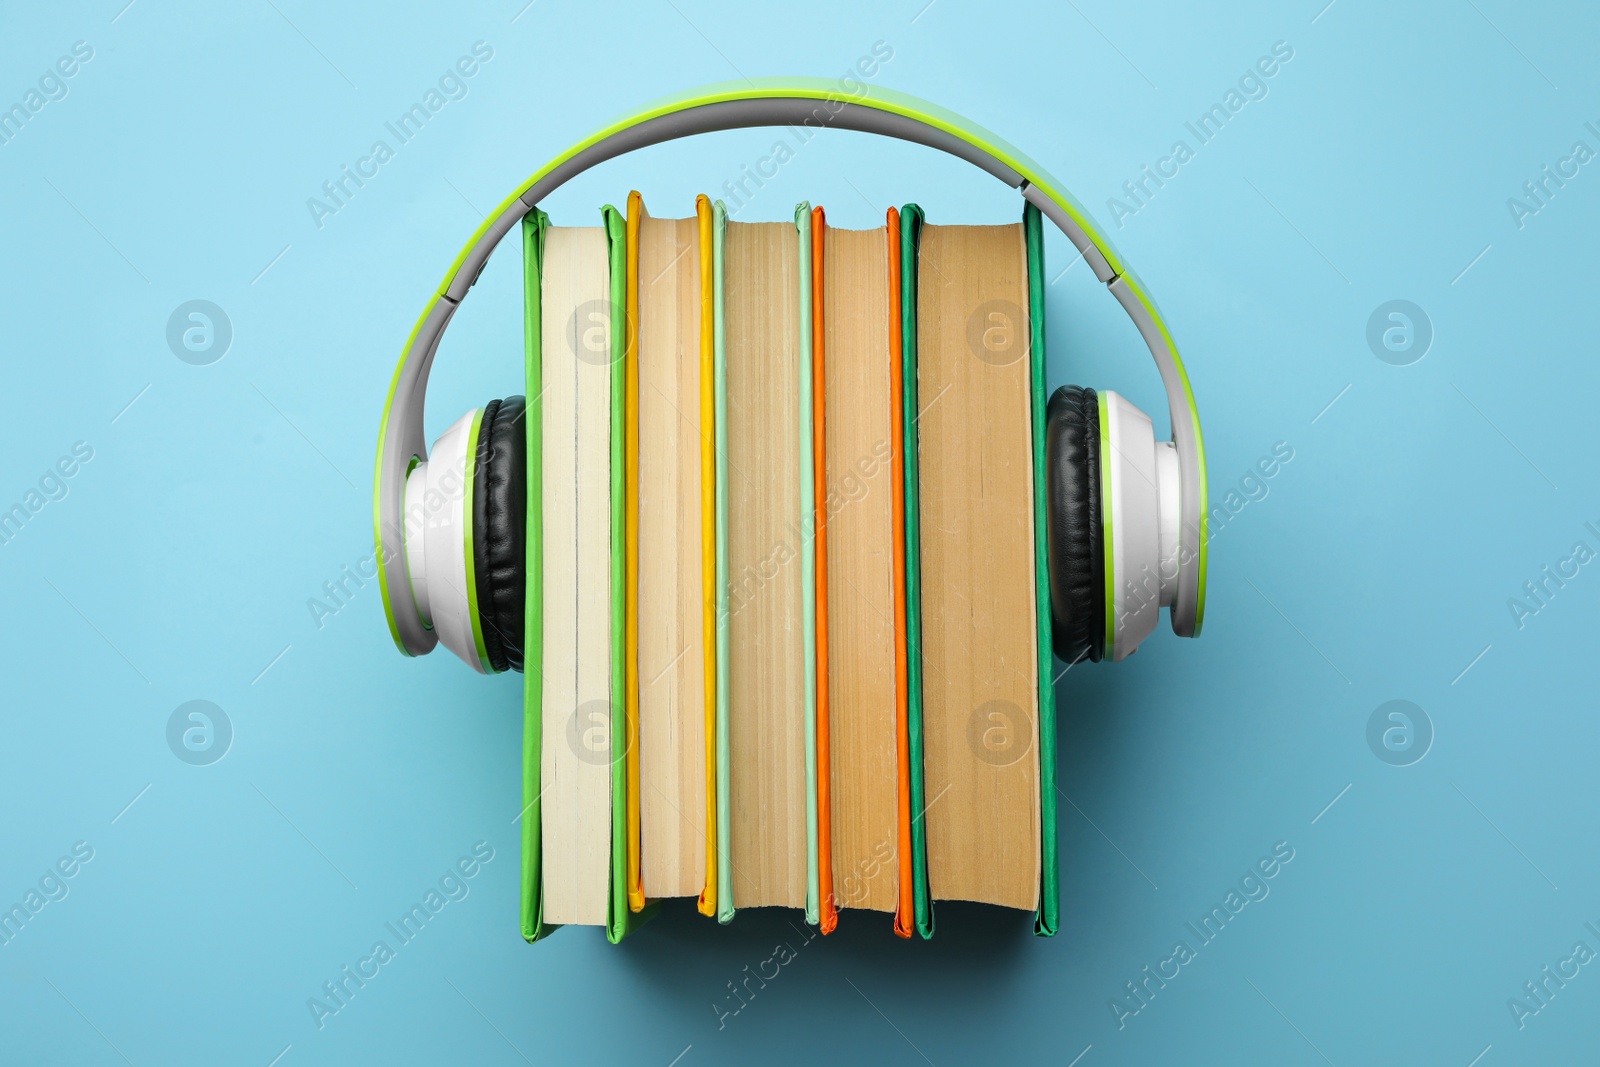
(1077, 554)
(499, 530)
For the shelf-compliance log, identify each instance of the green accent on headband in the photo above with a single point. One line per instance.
(1108, 545)
(829, 92)
(377, 489)
(1138, 290)
(466, 540)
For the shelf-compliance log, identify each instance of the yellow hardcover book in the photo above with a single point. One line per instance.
(708, 541)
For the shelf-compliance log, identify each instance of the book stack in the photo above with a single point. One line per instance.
(788, 627)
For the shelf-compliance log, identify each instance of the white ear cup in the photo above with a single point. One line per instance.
(1140, 515)
(438, 508)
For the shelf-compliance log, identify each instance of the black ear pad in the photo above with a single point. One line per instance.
(1077, 557)
(499, 530)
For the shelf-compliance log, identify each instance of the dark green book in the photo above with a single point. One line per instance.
(982, 732)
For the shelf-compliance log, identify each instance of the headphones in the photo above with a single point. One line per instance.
(1126, 512)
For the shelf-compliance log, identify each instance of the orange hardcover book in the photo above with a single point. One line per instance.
(829, 911)
(904, 914)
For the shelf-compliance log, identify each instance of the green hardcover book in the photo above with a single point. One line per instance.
(911, 219)
(1045, 921)
(620, 920)
(532, 895)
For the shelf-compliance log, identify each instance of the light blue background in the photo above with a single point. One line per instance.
(1377, 567)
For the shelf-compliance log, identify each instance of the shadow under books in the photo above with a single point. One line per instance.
(1095, 725)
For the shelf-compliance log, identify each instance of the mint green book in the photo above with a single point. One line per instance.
(762, 724)
(808, 559)
(719, 376)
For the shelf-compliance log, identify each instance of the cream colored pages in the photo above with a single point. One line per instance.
(672, 681)
(576, 720)
(979, 638)
(860, 546)
(766, 701)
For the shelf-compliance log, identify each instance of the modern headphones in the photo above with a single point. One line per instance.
(1126, 512)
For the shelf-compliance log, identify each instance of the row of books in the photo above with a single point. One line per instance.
(788, 637)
